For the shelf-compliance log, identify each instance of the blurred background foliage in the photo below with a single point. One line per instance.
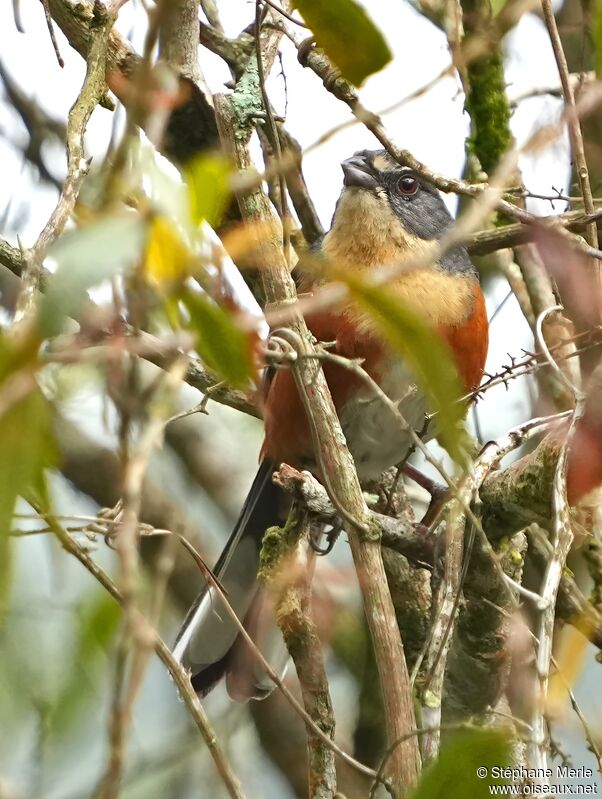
(62, 442)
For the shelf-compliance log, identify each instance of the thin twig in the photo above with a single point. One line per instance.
(179, 675)
(535, 361)
(282, 206)
(440, 636)
(134, 635)
(548, 355)
(349, 123)
(279, 288)
(92, 91)
(572, 121)
(284, 13)
(50, 26)
(562, 539)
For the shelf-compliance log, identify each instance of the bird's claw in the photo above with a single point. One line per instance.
(304, 49)
(331, 539)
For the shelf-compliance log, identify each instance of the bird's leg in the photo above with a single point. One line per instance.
(316, 533)
(439, 493)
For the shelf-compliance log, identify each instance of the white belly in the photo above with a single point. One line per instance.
(374, 435)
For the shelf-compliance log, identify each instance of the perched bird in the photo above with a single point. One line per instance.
(384, 213)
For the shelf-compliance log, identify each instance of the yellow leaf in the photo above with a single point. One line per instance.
(208, 184)
(571, 651)
(168, 259)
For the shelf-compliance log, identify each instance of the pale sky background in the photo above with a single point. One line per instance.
(433, 127)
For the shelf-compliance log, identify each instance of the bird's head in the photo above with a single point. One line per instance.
(385, 213)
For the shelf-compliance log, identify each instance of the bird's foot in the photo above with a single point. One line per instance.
(439, 493)
(317, 534)
(432, 547)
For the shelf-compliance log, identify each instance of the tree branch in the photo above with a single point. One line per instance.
(92, 91)
(479, 660)
(191, 127)
(488, 241)
(511, 499)
(288, 576)
(337, 465)
(398, 535)
(177, 672)
(573, 125)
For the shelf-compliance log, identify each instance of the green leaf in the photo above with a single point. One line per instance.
(597, 35)
(497, 6)
(347, 35)
(456, 772)
(86, 257)
(208, 184)
(27, 449)
(6, 574)
(97, 625)
(222, 345)
(426, 354)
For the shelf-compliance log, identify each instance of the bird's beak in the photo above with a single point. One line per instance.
(357, 172)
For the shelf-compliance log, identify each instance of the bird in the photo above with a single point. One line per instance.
(385, 213)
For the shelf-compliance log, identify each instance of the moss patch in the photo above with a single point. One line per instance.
(487, 105)
(277, 543)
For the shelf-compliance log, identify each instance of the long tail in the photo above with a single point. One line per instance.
(209, 644)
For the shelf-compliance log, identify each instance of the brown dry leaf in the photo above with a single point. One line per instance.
(584, 471)
(572, 644)
(573, 271)
(240, 241)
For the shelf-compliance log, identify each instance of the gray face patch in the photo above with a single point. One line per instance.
(423, 213)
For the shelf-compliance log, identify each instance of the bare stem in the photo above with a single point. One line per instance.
(92, 91)
(561, 543)
(295, 618)
(574, 128)
(179, 675)
(338, 468)
(136, 634)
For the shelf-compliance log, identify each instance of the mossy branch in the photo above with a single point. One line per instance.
(336, 462)
(286, 571)
(489, 110)
(485, 87)
(511, 499)
(521, 494)
(479, 661)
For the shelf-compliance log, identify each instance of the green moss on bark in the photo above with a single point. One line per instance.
(485, 87)
(277, 543)
(487, 104)
(411, 595)
(521, 493)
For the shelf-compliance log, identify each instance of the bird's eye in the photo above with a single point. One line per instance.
(407, 185)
